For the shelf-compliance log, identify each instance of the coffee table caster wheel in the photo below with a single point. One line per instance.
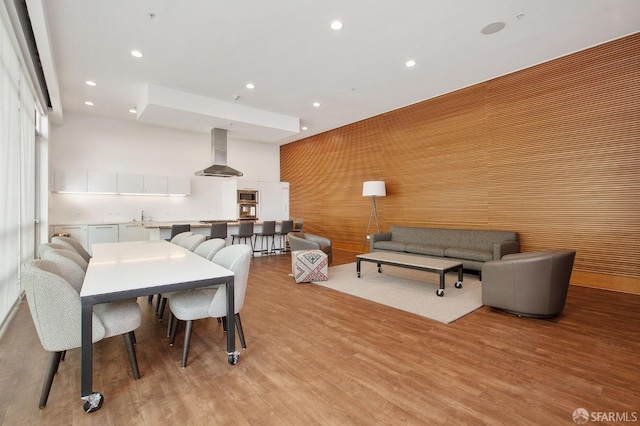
(92, 402)
(358, 274)
(459, 284)
(440, 292)
(233, 358)
(379, 269)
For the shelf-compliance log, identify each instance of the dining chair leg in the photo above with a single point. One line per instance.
(187, 340)
(62, 356)
(169, 323)
(240, 333)
(128, 342)
(54, 362)
(158, 303)
(174, 327)
(163, 303)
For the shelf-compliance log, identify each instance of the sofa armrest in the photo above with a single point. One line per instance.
(385, 236)
(320, 241)
(504, 248)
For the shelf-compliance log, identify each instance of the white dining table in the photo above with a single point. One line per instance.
(141, 268)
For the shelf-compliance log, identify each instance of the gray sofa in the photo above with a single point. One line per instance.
(472, 247)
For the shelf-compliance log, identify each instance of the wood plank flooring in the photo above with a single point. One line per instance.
(319, 357)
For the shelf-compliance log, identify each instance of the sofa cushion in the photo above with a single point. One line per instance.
(425, 249)
(468, 253)
(390, 245)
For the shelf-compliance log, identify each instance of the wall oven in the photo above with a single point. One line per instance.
(247, 211)
(247, 196)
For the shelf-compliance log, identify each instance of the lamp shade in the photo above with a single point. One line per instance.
(374, 188)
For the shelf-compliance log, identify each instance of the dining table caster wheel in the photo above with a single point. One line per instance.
(458, 284)
(440, 292)
(233, 358)
(92, 402)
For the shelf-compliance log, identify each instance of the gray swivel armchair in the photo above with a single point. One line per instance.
(303, 241)
(531, 284)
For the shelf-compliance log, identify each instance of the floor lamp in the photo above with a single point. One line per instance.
(373, 189)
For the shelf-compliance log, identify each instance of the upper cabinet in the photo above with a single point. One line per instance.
(98, 182)
(85, 181)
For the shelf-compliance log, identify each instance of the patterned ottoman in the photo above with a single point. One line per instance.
(309, 265)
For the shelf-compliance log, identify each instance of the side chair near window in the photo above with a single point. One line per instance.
(73, 245)
(212, 303)
(55, 308)
(532, 284)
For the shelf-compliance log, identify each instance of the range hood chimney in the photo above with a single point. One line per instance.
(219, 157)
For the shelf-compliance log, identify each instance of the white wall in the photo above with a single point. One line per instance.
(88, 142)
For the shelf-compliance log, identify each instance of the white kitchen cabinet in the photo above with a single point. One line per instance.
(70, 180)
(178, 185)
(154, 185)
(101, 234)
(102, 182)
(131, 232)
(130, 183)
(77, 232)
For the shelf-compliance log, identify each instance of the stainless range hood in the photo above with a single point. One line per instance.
(219, 157)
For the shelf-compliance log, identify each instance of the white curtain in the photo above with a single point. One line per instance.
(17, 169)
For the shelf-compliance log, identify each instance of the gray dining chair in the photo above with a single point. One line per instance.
(181, 237)
(69, 268)
(47, 249)
(209, 248)
(56, 312)
(192, 241)
(74, 245)
(212, 303)
(42, 248)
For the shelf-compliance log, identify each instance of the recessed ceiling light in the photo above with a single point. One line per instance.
(88, 103)
(136, 53)
(250, 86)
(410, 63)
(336, 25)
(305, 128)
(493, 28)
(316, 104)
(90, 83)
(133, 111)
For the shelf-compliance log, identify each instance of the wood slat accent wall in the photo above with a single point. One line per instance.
(552, 152)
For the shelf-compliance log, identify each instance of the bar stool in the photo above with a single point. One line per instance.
(179, 229)
(245, 230)
(297, 224)
(285, 228)
(218, 230)
(268, 230)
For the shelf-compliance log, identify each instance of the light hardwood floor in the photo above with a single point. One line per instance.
(316, 356)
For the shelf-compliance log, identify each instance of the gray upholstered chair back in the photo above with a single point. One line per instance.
(72, 255)
(209, 248)
(74, 245)
(42, 248)
(286, 227)
(528, 284)
(192, 241)
(180, 237)
(236, 258)
(55, 306)
(67, 268)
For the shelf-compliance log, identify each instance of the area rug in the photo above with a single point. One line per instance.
(408, 290)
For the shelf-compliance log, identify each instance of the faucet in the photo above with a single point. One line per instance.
(142, 216)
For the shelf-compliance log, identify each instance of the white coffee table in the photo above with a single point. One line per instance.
(423, 263)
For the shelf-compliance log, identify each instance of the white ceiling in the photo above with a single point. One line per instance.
(199, 54)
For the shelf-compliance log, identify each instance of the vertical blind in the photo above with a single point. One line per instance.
(17, 172)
